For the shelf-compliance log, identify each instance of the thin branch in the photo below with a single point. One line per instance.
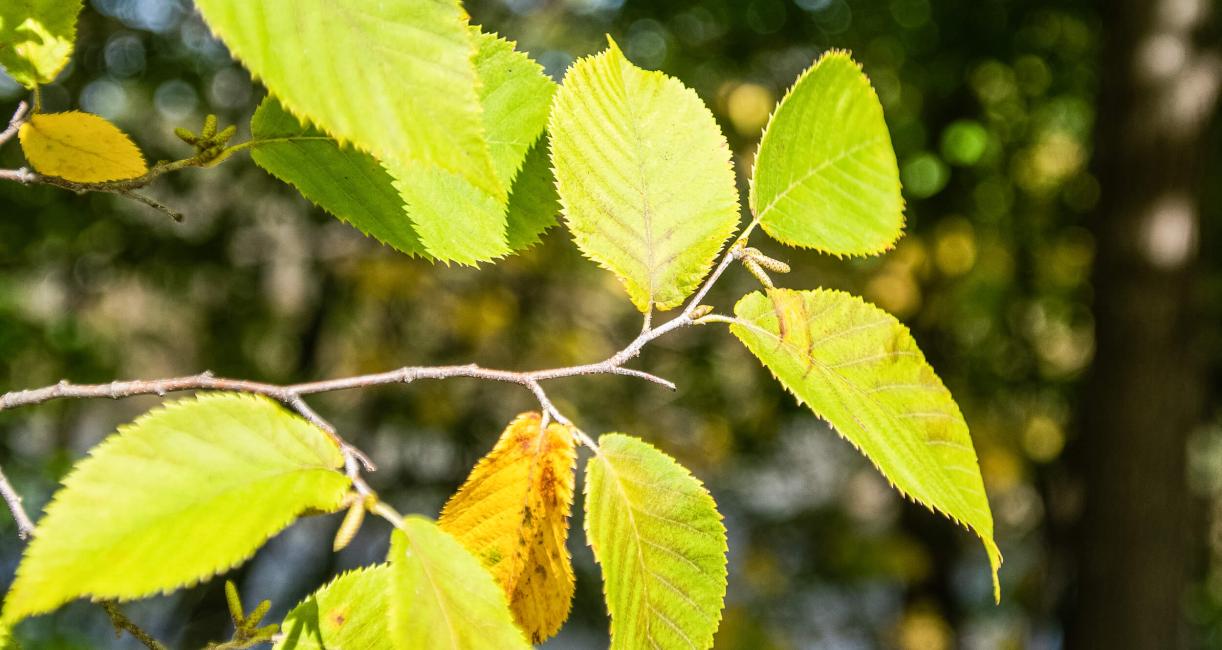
(152, 203)
(25, 527)
(124, 624)
(14, 124)
(21, 175)
(292, 395)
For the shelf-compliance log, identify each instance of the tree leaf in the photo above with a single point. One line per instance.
(825, 176)
(858, 368)
(354, 186)
(349, 612)
(456, 219)
(659, 538)
(79, 147)
(183, 493)
(533, 202)
(513, 514)
(644, 176)
(350, 184)
(37, 38)
(394, 78)
(441, 597)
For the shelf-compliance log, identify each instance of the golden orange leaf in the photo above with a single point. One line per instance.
(513, 513)
(80, 147)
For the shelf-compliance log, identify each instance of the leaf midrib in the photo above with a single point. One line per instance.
(817, 169)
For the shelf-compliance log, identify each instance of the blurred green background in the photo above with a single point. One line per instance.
(1059, 162)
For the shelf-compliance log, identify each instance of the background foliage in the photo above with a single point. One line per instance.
(991, 106)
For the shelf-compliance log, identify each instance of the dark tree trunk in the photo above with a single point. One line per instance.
(1145, 393)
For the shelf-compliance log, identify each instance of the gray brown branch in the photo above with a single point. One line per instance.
(292, 395)
(25, 527)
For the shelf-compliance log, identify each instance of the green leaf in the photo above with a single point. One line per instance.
(644, 176)
(442, 597)
(825, 176)
(659, 538)
(37, 38)
(456, 219)
(350, 612)
(394, 78)
(181, 494)
(350, 184)
(533, 203)
(353, 185)
(857, 367)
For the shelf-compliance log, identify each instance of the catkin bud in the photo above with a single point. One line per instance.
(185, 135)
(209, 129)
(258, 613)
(235, 602)
(351, 524)
(225, 134)
(758, 272)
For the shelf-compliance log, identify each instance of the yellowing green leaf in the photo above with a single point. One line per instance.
(350, 612)
(79, 147)
(859, 369)
(658, 536)
(644, 176)
(350, 184)
(441, 597)
(456, 219)
(36, 38)
(181, 494)
(825, 176)
(513, 514)
(394, 78)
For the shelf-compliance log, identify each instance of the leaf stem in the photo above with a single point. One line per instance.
(124, 624)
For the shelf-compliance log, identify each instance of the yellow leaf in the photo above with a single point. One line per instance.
(80, 147)
(513, 513)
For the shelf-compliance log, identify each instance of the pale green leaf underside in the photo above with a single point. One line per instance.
(457, 220)
(349, 612)
(353, 185)
(857, 367)
(644, 176)
(442, 597)
(394, 78)
(37, 38)
(826, 176)
(659, 539)
(180, 494)
(350, 184)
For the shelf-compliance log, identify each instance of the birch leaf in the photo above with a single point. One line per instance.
(441, 597)
(644, 176)
(396, 79)
(857, 367)
(658, 536)
(181, 494)
(349, 612)
(456, 219)
(533, 203)
(825, 176)
(350, 184)
(37, 38)
(513, 514)
(79, 147)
